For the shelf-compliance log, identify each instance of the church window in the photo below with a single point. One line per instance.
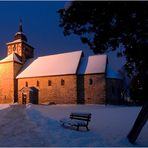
(26, 84)
(90, 81)
(37, 83)
(49, 83)
(62, 82)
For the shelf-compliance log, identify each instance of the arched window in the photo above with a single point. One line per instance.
(26, 84)
(90, 81)
(62, 82)
(37, 83)
(49, 83)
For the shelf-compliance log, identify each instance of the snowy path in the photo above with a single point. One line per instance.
(17, 130)
(38, 126)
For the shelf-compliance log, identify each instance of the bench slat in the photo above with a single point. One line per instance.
(77, 119)
(80, 114)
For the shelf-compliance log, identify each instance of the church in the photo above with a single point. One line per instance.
(65, 78)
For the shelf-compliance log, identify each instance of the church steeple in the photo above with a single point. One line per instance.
(20, 26)
(20, 46)
(20, 34)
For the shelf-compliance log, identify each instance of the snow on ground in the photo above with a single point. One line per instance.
(17, 130)
(109, 125)
(3, 106)
(38, 125)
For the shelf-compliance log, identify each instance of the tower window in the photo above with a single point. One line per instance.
(26, 84)
(37, 83)
(49, 83)
(62, 82)
(90, 81)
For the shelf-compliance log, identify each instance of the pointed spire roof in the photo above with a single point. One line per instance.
(20, 34)
(20, 26)
(10, 58)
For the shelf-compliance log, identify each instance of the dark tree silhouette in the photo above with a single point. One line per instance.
(103, 26)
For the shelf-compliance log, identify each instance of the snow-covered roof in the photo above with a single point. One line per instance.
(59, 64)
(93, 64)
(110, 73)
(19, 33)
(15, 41)
(10, 58)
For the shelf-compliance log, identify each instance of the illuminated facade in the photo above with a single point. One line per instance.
(55, 79)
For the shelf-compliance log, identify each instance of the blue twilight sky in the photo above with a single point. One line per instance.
(40, 24)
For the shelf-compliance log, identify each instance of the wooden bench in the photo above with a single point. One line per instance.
(77, 120)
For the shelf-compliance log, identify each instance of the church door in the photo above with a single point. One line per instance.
(24, 98)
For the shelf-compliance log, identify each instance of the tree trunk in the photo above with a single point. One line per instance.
(139, 123)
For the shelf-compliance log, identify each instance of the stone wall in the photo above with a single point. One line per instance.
(92, 88)
(17, 68)
(56, 93)
(88, 89)
(95, 93)
(114, 89)
(8, 84)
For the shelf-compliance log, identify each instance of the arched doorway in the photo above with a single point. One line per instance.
(28, 95)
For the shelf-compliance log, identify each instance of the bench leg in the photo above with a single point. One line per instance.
(77, 128)
(62, 124)
(87, 128)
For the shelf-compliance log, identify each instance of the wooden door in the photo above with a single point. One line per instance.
(24, 98)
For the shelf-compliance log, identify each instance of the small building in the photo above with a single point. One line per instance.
(66, 78)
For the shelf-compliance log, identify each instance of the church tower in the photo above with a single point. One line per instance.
(20, 46)
(18, 51)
